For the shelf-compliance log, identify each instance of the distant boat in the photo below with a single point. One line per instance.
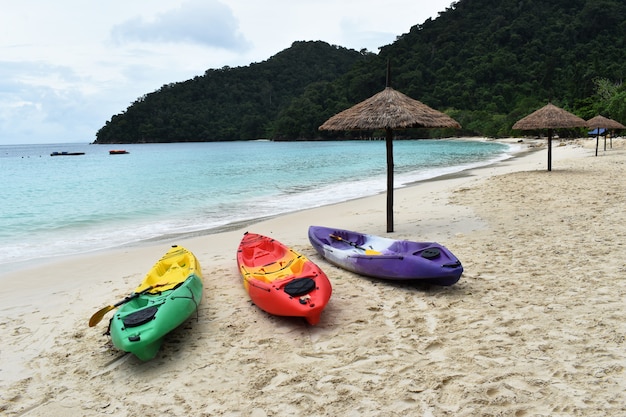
(117, 152)
(66, 153)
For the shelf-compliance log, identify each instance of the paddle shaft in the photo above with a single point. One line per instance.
(99, 315)
(133, 296)
(367, 251)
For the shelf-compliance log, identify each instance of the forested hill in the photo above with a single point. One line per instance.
(494, 61)
(487, 63)
(229, 103)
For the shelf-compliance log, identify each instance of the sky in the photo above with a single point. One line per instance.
(68, 66)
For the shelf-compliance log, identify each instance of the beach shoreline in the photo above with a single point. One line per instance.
(526, 146)
(534, 326)
(52, 217)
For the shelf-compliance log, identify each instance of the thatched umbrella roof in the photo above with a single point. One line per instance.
(389, 110)
(606, 123)
(549, 117)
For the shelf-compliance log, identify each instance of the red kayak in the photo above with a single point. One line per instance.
(280, 280)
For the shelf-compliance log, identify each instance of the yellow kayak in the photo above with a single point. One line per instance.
(170, 292)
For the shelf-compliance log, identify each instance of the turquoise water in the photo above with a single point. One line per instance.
(63, 205)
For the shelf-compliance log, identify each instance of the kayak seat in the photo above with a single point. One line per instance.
(248, 252)
(276, 250)
(262, 253)
(139, 317)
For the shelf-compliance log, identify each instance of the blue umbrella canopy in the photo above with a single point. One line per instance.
(601, 125)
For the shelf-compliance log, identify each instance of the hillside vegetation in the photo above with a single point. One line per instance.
(487, 63)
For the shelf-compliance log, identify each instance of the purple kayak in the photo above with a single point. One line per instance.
(386, 258)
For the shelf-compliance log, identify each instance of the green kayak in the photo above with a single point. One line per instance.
(169, 294)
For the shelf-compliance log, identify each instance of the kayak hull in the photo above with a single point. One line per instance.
(281, 281)
(386, 258)
(140, 325)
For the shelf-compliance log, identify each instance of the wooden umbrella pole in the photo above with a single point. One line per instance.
(389, 141)
(549, 149)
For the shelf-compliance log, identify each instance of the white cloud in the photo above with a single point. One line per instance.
(67, 66)
(209, 23)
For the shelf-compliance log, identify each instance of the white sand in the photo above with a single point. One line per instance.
(535, 326)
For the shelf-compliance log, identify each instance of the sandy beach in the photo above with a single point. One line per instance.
(534, 327)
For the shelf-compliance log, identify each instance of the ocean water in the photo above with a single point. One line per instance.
(63, 205)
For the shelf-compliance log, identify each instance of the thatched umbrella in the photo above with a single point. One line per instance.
(389, 110)
(549, 117)
(599, 122)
